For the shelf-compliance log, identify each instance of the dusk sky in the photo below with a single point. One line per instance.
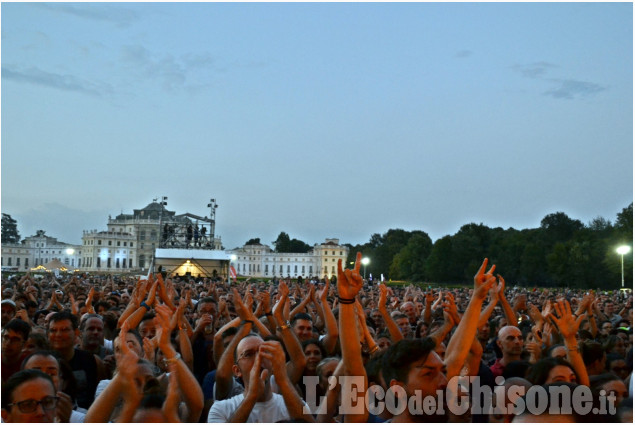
(324, 120)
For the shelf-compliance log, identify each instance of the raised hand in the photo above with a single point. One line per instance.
(274, 353)
(248, 301)
(257, 378)
(163, 328)
(152, 294)
(383, 296)
(534, 313)
(349, 282)
(265, 299)
(567, 323)
(484, 281)
(520, 302)
(283, 289)
(178, 314)
(149, 347)
(450, 307)
(546, 309)
(429, 297)
(493, 294)
(325, 291)
(534, 347)
(241, 309)
(500, 288)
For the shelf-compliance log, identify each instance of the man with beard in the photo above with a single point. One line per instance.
(510, 341)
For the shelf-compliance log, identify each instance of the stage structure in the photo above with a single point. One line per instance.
(192, 262)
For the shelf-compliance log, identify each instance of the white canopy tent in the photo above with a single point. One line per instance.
(192, 262)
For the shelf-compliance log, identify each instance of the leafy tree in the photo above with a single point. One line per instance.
(10, 232)
(439, 265)
(253, 241)
(285, 244)
(600, 224)
(624, 222)
(559, 227)
(410, 261)
(282, 243)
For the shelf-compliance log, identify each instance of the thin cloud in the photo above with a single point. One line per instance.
(564, 88)
(144, 65)
(534, 70)
(120, 16)
(464, 54)
(66, 82)
(172, 72)
(569, 89)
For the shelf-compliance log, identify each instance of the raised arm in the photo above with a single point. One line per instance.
(489, 309)
(190, 389)
(349, 283)
(507, 308)
(218, 347)
(427, 311)
(451, 319)
(247, 314)
(272, 351)
(460, 343)
(568, 326)
(332, 332)
(135, 318)
(303, 303)
(224, 372)
(295, 367)
(393, 329)
(138, 294)
(102, 408)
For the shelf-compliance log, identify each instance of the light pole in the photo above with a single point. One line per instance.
(212, 205)
(163, 202)
(624, 249)
(365, 262)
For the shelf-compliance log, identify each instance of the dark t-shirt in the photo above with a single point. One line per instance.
(84, 368)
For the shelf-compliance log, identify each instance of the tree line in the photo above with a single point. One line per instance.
(562, 252)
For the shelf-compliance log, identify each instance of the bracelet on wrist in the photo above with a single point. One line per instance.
(346, 300)
(244, 322)
(268, 314)
(143, 304)
(174, 359)
(284, 326)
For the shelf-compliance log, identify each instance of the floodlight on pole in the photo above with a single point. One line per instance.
(365, 262)
(622, 250)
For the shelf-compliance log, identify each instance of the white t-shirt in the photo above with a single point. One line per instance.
(77, 417)
(273, 410)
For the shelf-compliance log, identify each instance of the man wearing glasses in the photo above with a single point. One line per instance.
(29, 396)
(255, 361)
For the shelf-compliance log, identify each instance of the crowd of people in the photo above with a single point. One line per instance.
(85, 348)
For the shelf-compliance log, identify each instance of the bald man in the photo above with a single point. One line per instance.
(510, 341)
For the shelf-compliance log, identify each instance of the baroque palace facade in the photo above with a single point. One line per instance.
(129, 243)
